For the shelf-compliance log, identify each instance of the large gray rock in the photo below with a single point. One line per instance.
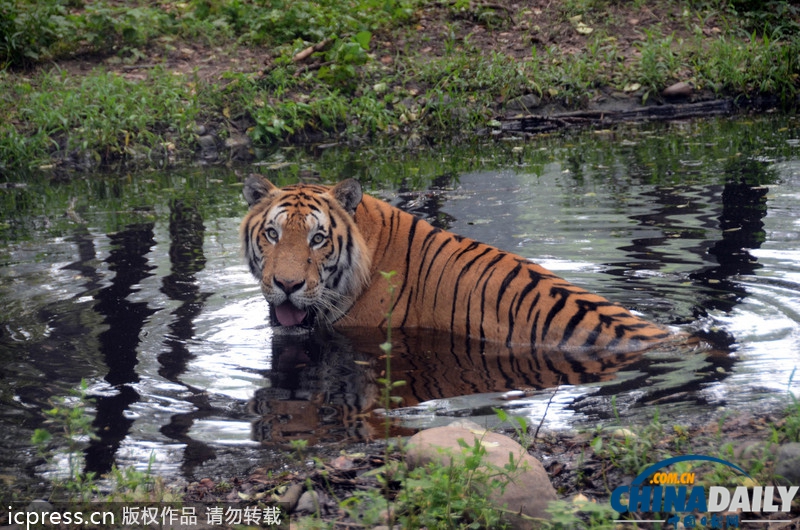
(529, 491)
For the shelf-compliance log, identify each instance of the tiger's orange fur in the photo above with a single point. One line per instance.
(444, 281)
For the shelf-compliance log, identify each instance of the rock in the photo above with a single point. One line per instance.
(292, 497)
(751, 450)
(529, 490)
(309, 502)
(239, 144)
(525, 103)
(678, 90)
(39, 505)
(787, 463)
(208, 147)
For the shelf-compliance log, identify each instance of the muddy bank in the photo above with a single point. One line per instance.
(410, 74)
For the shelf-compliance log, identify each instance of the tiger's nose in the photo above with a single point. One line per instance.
(288, 286)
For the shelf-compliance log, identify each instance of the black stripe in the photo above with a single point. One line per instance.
(433, 259)
(399, 294)
(423, 255)
(584, 307)
(535, 279)
(510, 321)
(504, 285)
(464, 270)
(535, 322)
(483, 302)
(557, 307)
(480, 282)
(454, 258)
(594, 335)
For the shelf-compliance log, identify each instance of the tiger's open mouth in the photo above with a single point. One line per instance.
(287, 315)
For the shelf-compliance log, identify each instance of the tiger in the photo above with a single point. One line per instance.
(318, 253)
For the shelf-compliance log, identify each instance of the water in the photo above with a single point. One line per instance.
(135, 284)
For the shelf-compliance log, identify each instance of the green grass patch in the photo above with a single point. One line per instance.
(101, 115)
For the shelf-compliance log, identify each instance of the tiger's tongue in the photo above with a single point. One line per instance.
(289, 315)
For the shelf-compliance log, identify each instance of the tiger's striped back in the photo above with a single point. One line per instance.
(451, 283)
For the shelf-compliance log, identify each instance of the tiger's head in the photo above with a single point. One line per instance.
(302, 244)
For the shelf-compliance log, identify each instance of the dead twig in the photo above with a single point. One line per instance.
(306, 53)
(544, 415)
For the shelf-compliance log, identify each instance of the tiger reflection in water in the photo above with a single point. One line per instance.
(323, 384)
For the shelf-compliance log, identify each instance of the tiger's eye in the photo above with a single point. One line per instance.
(317, 239)
(272, 234)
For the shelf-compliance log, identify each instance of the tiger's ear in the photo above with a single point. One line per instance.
(256, 188)
(348, 193)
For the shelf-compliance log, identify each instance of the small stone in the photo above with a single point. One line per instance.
(678, 90)
(787, 463)
(208, 147)
(342, 463)
(623, 433)
(526, 103)
(309, 501)
(39, 505)
(239, 145)
(237, 140)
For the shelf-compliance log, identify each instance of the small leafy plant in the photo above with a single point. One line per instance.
(73, 425)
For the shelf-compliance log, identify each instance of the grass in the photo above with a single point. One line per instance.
(358, 85)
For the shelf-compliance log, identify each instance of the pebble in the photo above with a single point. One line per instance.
(208, 147)
(526, 103)
(787, 463)
(678, 90)
(309, 501)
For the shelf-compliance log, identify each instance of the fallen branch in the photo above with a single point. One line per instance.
(306, 53)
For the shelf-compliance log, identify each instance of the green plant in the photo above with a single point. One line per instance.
(129, 484)
(629, 451)
(387, 385)
(581, 513)
(519, 424)
(438, 495)
(73, 426)
(659, 62)
(339, 70)
(31, 32)
(299, 447)
(454, 495)
(791, 425)
(101, 115)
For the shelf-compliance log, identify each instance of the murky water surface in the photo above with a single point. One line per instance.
(135, 284)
